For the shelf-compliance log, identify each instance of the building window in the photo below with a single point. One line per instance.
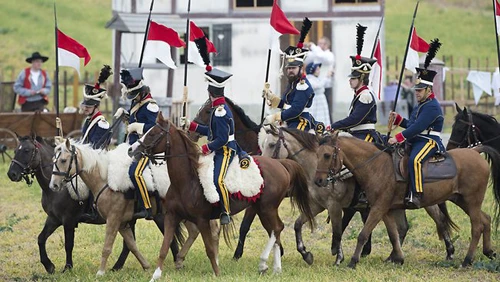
(252, 3)
(354, 1)
(222, 39)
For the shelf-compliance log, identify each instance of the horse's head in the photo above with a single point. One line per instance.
(463, 129)
(154, 141)
(329, 159)
(271, 142)
(66, 165)
(26, 159)
(202, 117)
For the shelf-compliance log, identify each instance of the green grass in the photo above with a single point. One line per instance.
(424, 261)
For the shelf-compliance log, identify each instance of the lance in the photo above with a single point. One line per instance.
(403, 68)
(186, 57)
(376, 37)
(56, 81)
(267, 80)
(496, 29)
(146, 33)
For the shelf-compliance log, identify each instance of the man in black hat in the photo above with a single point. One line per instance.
(33, 85)
(141, 117)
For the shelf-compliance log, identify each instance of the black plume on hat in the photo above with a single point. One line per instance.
(431, 53)
(201, 44)
(360, 38)
(306, 26)
(104, 74)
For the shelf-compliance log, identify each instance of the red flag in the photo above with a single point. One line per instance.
(160, 38)
(280, 25)
(497, 15)
(70, 51)
(417, 45)
(195, 32)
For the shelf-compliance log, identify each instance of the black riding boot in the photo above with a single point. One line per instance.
(413, 200)
(359, 197)
(90, 213)
(225, 218)
(142, 211)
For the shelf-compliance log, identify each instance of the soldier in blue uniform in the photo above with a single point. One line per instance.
(141, 117)
(363, 110)
(423, 129)
(299, 94)
(220, 130)
(95, 127)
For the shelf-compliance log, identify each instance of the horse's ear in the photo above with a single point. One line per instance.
(458, 108)
(33, 134)
(160, 117)
(465, 110)
(68, 145)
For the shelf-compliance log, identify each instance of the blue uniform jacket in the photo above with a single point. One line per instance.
(146, 114)
(298, 97)
(363, 110)
(96, 135)
(221, 127)
(426, 116)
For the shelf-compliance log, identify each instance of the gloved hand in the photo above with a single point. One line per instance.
(272, 99)
(273, 118)
(135, 127)
(183, 121)
(395, 120)
(205, 150)
(123, 113)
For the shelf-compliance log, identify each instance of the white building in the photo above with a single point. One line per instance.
(240, 31)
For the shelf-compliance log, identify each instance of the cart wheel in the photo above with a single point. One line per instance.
(8, 138)
(75, 134)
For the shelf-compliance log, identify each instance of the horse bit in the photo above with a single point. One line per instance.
(67, 177)
(28, 173)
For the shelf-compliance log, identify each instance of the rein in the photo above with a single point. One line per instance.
(28, 172)
(106, 186)
(67, 177)
(165, 131)
(282, 141)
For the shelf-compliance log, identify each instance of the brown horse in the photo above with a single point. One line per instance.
(185, 198)
(374, 170)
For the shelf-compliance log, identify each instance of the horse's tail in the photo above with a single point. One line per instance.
(299, 190)
(179, 235)
(447, 221)
(493, 157)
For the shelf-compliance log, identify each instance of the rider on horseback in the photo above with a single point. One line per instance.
(141, 117)
(220, 131)
(95, 128)
(298, 96)
(423, 129)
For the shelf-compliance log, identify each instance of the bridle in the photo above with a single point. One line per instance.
(28, 172)
(333, 172)
(146, 149)
(67, 176)
(282, 141)
(471, 136)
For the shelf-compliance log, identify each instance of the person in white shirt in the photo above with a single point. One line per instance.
(319, 108)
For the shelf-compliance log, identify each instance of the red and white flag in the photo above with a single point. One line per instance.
(497, 16)
(279, 25)
(160, 39)
(69, 52)
(376, 73)
(194, 56)
(417, 45)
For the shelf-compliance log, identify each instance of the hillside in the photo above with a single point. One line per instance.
(28, 26)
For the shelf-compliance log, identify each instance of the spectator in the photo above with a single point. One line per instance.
(319, 108)
(322, 54)
(408, 93)
(33, 85)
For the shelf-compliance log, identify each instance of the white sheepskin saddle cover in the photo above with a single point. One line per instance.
(243, 184)
(155, 176)
(82, 192)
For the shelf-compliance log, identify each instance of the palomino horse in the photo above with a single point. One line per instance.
(185, 198)
(473, 128)
(301, 147)
(374, 170)
(34, 157)
(73, 160)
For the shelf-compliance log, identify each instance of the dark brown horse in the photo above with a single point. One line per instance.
(185, 198)
(34, 157)
(374, 170)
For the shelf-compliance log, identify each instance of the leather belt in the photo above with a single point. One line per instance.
(366, 126)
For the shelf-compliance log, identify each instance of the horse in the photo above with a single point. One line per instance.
(385, 195)
(186, 200)
(33, 157)
(473, 128)
(338, 195)
(72, 160)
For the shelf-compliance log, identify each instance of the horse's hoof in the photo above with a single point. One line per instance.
(366, 252)
(156, 275)
(282, 250)
(339, 260)
(263, 271)
(352, 264)
(308, 257)
(237, 255)
(116, 268)
(449, 257)
(277, 271)
(179, 265)
(490, 254)
(51, 268)
(467, 262)
(146, 266)
(100, 273)
(67, 267)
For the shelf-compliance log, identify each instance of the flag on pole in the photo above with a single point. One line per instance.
(497, 16)
(376, 73)
(279, 25)
(70, 52)
(160, 39)
(194, 56)
(417, 45)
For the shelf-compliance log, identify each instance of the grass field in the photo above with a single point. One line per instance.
(22, 218)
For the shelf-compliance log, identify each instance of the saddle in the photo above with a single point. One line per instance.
(440, 166)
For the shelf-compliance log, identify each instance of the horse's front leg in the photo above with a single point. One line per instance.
(299, 223)
(69, 242)
(51, 224)
(392, 230)
(112, 226)
(171, 221)
(335, 213)
(193, 233)
(125, 250)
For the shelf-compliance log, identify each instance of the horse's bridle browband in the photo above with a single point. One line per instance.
(28, 172)
(66, 174)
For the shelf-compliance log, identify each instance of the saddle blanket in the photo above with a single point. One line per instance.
(155, 176)
(242, 184)
(434, 169)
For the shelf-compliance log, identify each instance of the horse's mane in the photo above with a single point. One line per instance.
(241, 113)
(491, 120)
(91, 159)
(192, 149)
(309, 141)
